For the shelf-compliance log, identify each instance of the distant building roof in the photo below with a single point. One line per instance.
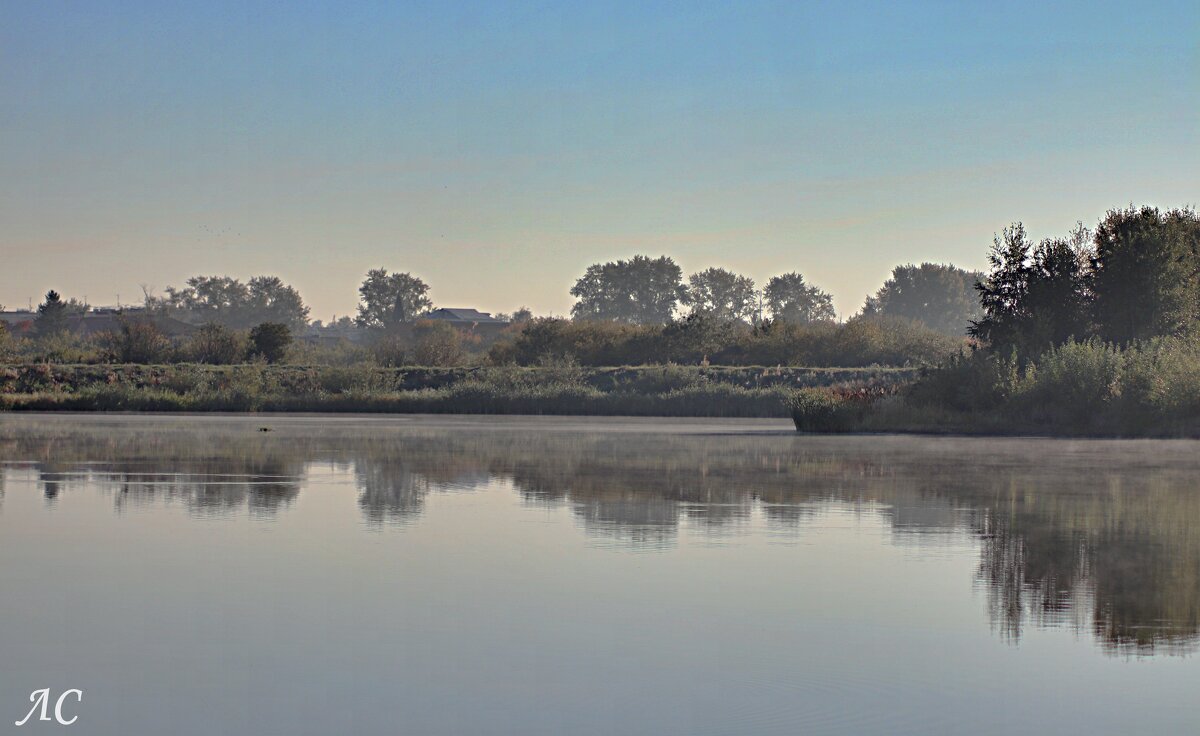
(93, 323)
(454, 314)
(18, 316)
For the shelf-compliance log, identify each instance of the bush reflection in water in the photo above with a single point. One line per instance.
(1099, 534)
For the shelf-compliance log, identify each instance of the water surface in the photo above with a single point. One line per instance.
(194, 575)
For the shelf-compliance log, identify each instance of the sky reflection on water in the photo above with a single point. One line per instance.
(721, 525)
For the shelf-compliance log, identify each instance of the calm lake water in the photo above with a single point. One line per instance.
(194, 575)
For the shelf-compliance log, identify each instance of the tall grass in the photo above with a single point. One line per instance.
(1082, 388)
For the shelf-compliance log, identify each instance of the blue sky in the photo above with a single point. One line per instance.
(496, 149)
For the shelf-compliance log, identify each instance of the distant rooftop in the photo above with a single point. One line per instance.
(455, 314)
(17, 315)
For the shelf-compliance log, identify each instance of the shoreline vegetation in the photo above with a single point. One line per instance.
(1093, 334)
(1078, 389)
(668, 391)
(1096, 333)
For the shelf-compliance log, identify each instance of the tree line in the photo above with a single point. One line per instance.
(1093, 333)
(640, 291)
(1135, 278)
(652, 291)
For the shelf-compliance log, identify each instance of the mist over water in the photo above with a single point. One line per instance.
(467, 575)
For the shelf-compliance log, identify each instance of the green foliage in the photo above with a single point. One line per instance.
(437, 344)
(1162, 378)
(976, 382)
(555, 388)
(62, 347)
(227, 301)
(941, 297)
(138, 341)
(641, 290)
(52, 315)
(216, 344)
(829, 410)
(699, 338)
(390, 351)
(860, 342)
(338, 353)
(389, 300)
(722, 295)
(1073, 383)
(270, 340)
(588, 342)
(790, 299)
(362, 380)
(271, 300)
(8, 344)
(1088, 387)
(1146, 273)
(1138, 278)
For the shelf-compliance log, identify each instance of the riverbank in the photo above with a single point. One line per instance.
(669, 391)
(896, 415)
(1078, 389)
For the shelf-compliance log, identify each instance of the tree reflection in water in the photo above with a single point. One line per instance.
(1097, 534)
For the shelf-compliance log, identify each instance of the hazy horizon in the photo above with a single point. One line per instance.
(496, 150)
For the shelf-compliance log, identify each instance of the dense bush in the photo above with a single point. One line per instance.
(62, 347)
(1073, 383)
(270, 341)
(817, 410)
(699, 339)
(556, 388)
(437, 344)
(8, 344)
(215, 344)
(1088, 387)
(390, 351)
(138, 341)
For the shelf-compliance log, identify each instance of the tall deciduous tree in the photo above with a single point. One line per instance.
(1058, 294)
(721, 295)
(388, 300)
(790, 299)
(209, 299)
(941, 297)
(271, 300)
(227, 301)
(1146, 276)
(641, 290)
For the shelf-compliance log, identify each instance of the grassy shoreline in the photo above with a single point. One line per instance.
(667, 391)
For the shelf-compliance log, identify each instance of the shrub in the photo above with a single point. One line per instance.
(216, 344)
(972, 382)
(358, 379)
(63, 347)
(138, 341)
(1163, 377)
(8, 344)
(390, 351)
(820, 410)
(438, 344)
(860, 342)
(340, 353)
(1072, 382)
(270, 340)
